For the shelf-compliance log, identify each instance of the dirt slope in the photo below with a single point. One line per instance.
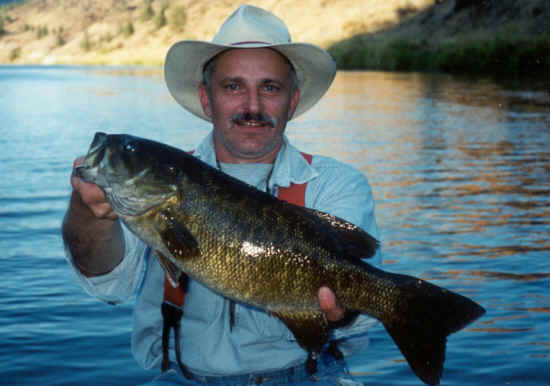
(96, 31)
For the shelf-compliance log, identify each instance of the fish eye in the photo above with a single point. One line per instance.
(130, 147)
(170, 169)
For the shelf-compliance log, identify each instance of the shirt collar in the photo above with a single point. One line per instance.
(290, 165)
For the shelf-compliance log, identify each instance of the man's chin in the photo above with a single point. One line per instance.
(255, 151)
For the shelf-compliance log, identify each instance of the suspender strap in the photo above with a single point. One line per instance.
(174, 298)
(295, 193)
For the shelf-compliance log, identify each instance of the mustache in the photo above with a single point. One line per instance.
(257, 117)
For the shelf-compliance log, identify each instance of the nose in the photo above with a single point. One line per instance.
(254, 102)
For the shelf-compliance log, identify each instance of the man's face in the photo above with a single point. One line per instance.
(249, 101)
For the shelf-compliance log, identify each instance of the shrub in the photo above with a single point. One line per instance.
(127, 29)
(147, 12)
(85, 44)
(178, 17)
(15, 53)
(41, 32)
(160, 18)
(2, 30)
(60, 37)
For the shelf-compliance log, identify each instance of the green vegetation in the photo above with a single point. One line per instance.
(2, 30)
(499, 55)
(41, 31)
(178, 17)
(147, 13)
(59, 37)
(127, 29)
(15, 53)
(160, 18)
(85, 43)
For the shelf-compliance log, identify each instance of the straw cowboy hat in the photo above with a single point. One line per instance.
(247, 27)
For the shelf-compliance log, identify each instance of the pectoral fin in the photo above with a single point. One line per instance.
(177, 238)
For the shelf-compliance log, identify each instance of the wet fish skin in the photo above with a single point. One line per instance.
(253, 248)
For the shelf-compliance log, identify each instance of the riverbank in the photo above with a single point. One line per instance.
(140, 32)
(499, 55)
(505, 38)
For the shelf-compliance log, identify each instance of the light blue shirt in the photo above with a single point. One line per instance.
(258, 341)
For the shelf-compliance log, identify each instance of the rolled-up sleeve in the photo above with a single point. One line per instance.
(121, 283)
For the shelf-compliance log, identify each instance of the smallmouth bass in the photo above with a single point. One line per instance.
(253, 248)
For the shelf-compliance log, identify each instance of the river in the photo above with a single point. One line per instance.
(459, 169)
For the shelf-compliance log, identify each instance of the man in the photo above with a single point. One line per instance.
(248, 82)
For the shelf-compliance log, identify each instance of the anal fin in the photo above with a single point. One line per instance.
(310, 330)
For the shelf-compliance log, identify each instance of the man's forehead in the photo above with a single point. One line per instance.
(238, 60)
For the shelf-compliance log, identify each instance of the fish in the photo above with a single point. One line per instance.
(254, 248)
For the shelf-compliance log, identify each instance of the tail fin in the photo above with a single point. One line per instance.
(426, 315)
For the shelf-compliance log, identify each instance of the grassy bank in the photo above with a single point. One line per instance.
(500, 55)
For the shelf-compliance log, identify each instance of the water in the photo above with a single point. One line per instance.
(459, 170)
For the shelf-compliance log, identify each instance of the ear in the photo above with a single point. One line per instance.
(205, 100)
(294, 99)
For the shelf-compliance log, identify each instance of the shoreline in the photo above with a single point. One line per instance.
(500, 56)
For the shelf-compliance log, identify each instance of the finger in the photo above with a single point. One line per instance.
(91, 195)
(77, 162)
(95, 198)
(327, 301)
(103, 211)
(75, 180)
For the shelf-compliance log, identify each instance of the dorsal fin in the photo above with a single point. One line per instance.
(342, 238)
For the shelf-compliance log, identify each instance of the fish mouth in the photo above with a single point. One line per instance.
(97, 150)
(89, 170)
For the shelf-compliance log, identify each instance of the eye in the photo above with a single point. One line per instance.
(232, 87)
(168, 170)
(130, 147)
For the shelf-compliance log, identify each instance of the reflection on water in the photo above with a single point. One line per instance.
(461, 177)
(459, 169)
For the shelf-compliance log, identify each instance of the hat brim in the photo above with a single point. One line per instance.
(183, 67)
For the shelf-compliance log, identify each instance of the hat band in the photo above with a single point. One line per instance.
(250, 42)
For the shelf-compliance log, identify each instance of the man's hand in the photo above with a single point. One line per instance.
(91, 195)
(90, 229)
(327, 301)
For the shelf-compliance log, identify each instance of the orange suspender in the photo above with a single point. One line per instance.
(173, 295)
(295, 194)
